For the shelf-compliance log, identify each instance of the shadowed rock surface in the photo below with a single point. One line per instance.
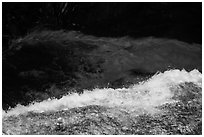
(49, 63)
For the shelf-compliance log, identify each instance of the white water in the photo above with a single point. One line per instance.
(144, 96)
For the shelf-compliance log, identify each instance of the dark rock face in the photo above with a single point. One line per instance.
(51, 63)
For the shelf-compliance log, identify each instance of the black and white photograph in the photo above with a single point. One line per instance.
(101, 68)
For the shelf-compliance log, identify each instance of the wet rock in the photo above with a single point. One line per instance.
(178, 118)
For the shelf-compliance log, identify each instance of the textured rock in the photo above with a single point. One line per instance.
(183, 117)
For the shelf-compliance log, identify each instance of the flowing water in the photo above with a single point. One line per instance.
(138, 98)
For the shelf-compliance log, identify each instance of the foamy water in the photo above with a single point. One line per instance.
(144, 96)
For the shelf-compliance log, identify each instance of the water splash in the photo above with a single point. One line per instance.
(145, 96)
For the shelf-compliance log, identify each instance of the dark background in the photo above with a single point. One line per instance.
(50, 64)
(182, 21)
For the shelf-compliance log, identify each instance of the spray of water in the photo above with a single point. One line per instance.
(145, 96)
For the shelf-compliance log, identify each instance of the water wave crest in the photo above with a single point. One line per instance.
(144, 96)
